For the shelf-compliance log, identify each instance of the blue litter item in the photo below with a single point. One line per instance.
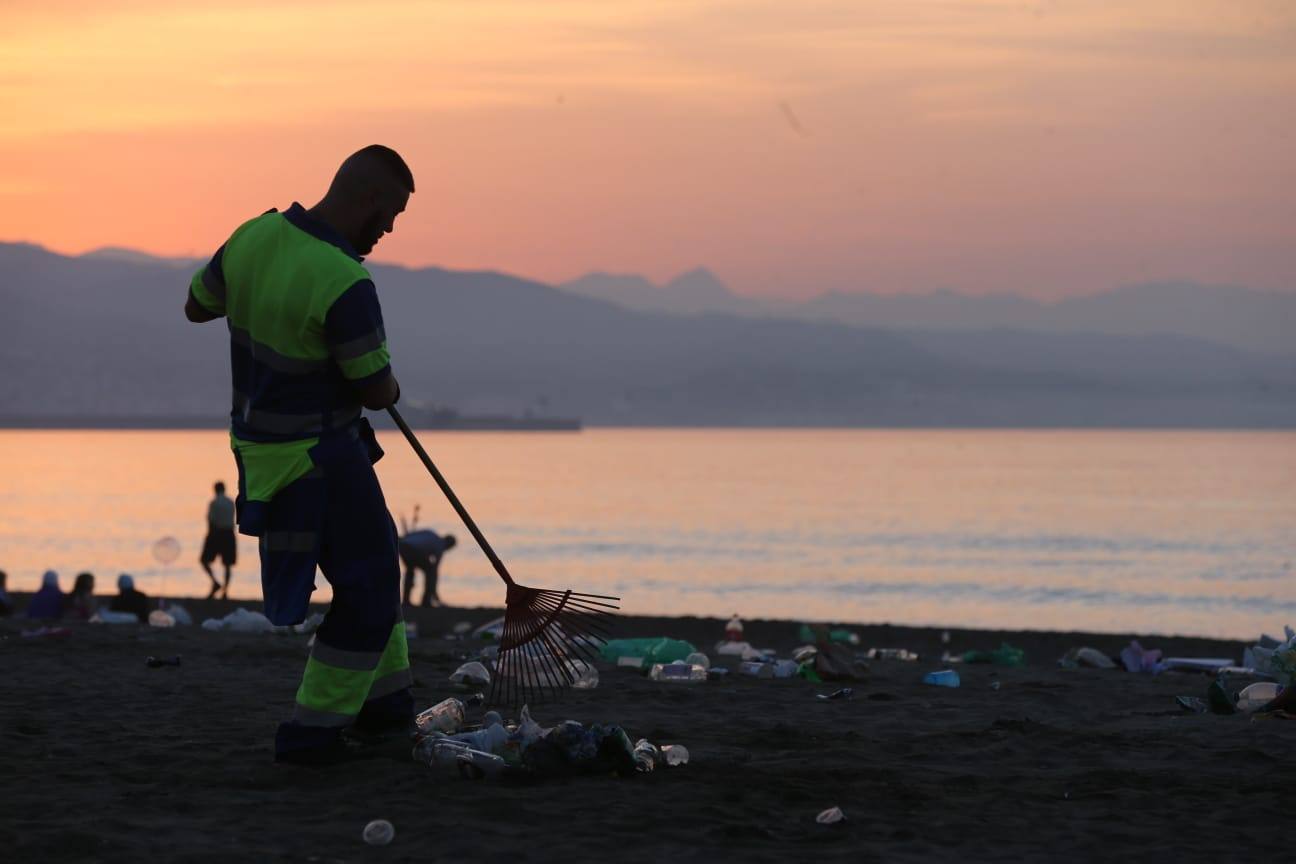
(943, 678)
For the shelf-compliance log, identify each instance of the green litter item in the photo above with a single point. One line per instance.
(1004, 655)
(846, 637)
(657, 649)
(807, 671)
(1219, 699)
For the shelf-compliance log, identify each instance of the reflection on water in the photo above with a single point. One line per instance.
(1151, 531)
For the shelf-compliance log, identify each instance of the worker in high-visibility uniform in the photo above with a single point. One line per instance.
(307, 351)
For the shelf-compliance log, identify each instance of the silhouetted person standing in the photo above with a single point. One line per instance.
(307, 352)
(6, 604)
(422, 550)
(220, 542)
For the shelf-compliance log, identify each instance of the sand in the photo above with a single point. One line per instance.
(105, 759)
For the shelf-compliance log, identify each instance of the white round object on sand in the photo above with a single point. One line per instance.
(379, 832)
(831, 816)
(166, 550)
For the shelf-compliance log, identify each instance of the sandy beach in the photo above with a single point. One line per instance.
(106, 759)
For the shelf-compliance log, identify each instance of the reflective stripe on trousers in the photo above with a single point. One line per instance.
(337, 683)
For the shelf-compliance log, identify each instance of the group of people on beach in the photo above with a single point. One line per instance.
(50, 603)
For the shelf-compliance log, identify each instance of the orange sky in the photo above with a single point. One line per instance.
(1049, 147)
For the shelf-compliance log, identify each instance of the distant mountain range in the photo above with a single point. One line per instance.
(104, 334)
(1261, 321)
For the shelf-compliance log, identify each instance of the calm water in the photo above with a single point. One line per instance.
(1171, 532)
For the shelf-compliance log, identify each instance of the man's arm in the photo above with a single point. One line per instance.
(357, 342)
(380, 394)
(197, 313)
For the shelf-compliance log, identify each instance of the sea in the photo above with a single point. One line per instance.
(1147, 531)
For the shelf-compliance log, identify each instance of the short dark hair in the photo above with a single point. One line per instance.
(220, 488)
(391, 160)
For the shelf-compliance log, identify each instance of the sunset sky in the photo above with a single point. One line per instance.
(1049, 148)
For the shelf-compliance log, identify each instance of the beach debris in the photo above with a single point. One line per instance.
(447, 716)
(585, 675)
(807, 671)
(1213, 665)
(460, 631)
(47, 633)
(1086, 656)
(1136, 658)
(674, 755)
(804, 653)
(945, 637)
(716, 672)
(160, 618)
(1192, 704)
(107, 616)
(158, 662)
(836, 696)
(241, 621)
(678, 673)
(491, 631)
(646, 755)
(411, 630)
(178, 613)
(1004, 655)
(1274, 658)
(734, 629)
(697, 658)
(831, 816)
(903, 654)
(733, 649)
(785, 668)
(1255, 696)
(379, 832)
(819, 633)
(471, 674)
(837, 662)
(756, 669)
(650, 650)
(471, 763)
(1219, 700)
(995, 685)
(943, 678)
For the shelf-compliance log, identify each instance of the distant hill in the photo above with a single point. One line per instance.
(106, 335)
(1262, 321)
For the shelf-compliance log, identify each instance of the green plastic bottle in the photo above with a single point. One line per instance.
(649, 651)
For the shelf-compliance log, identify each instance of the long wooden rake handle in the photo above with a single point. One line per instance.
(451, 496)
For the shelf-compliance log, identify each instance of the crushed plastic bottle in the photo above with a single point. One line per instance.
(489, 739)
(437, 752)
(903, 654)
(379, 832)
(678, 673)
(785, 668)
(471, 674)
(646, 755)
(943, 678)
(446, 716)
(674, 755)
(585, 674)
(1257, 695)
(697, 658)
(757, 670)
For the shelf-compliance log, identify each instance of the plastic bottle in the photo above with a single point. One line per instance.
(943, 678)
(448, 753)
(471, 674)
(489, 739)
(1257, 695)
(697, 658)
(734, 629)
(585, 674)
(646, 755)
(757, 670)
(446, 716)
(678, 673)
(674, 754)
(785, 668)
(651, 650)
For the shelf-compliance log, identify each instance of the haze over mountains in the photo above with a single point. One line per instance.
(1262, 321)
(103, 334)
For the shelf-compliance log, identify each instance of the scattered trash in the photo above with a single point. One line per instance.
(943, 678)
(471, 763)
(757, 670)
(835, 662)
(411, 630)
(1219, 700)
(1193, 704)
(240, 621)
(471, 674)
(586, 675)
(734, 629)
(818, 634)
(678, 673)
(807, 671)
(47, 632)
(379, 832)
(785, 668)
(1274, 658)
(1196, 664)
(995, 685)
(945, 637)
(733, 649)
(446, 716)
(178, 613)
(836, 695)
(674, 755)
(1136, 658)
(1004, 655)
(649, 651)
(804, 653)
(107, 616)
(646, 755)
(1257, 695)
(903, 654)
(1085, 656)
(697, 658)
(159, 618)
(716, 672)
(491, 630)
(831, 816)
(159, 662)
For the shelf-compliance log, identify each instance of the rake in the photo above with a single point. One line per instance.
(545, 630)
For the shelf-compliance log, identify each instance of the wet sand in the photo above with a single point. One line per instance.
(105, 759)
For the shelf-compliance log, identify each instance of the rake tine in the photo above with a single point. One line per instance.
(555, 668)
(576, 631)
(584, 599)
